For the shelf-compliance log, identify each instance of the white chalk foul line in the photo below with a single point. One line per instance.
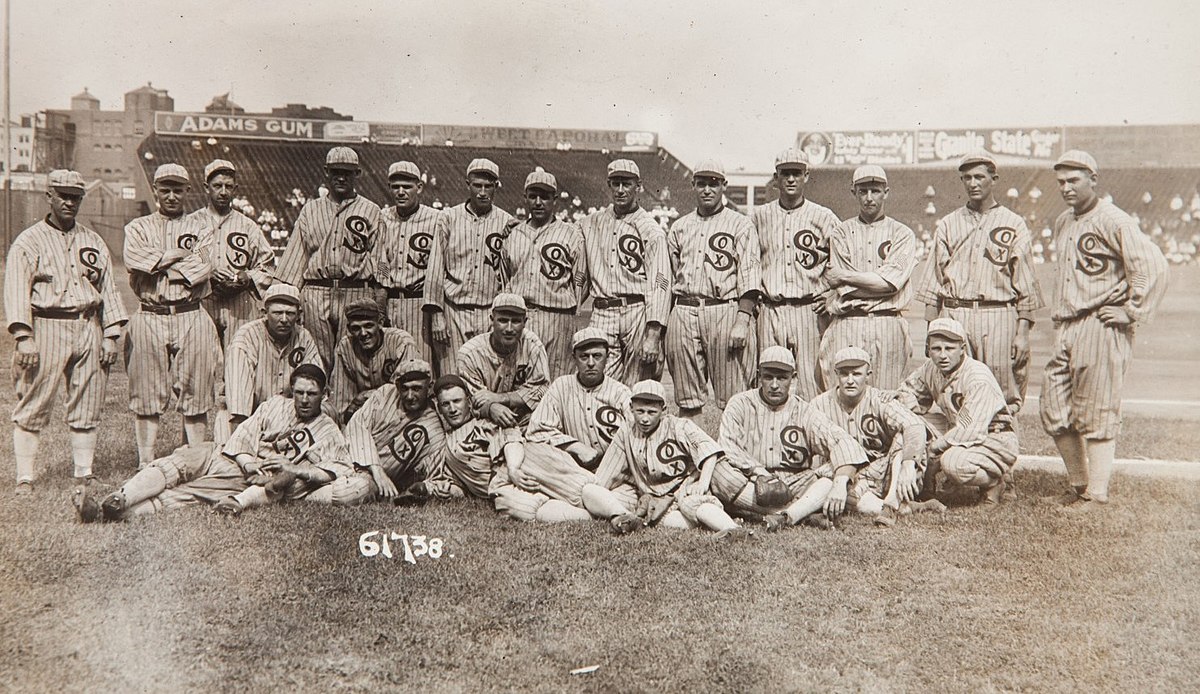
(1189, 469)
(1138, 401)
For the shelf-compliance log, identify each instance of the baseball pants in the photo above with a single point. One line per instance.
(699, 352)
(728, 483)
(406, 314)
(675, 511)
(323, 313)
(559, 476)
(167, 354)
(194, 475)
(1081, 388)
(796, 328)
(878, 476)
(625, 327)
(70, 349)
(885, 338)
(555, 331)
(990, 332)
(995, 456)
(350, 490)
(230, 313)
(463, 323)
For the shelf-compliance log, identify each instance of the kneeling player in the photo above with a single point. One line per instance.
(670, 461)
(527, 481)
(772, 432)
(976, 443)
(892, 436)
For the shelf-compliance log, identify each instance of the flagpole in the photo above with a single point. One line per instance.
(7, 135)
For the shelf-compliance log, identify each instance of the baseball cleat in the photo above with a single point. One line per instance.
(886, 518)
(735, 534)
(1085, 504)
(993, 494)
(818, 520)
(777, 521)
(228, 506)
(1071, 496)
(933, 505)
(625, 523)
(87, 509)
(113, 506)
(23, 488)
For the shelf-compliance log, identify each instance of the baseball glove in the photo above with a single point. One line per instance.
(770, 491)
(625, 523)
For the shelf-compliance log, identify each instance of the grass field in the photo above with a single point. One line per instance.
(1024, 597)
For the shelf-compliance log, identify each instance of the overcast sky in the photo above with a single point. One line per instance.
(730, 80)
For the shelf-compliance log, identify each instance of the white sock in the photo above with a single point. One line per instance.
(25, 446)
(1075, 458)
(556, 511)
(252, 497)
(1100, 466)
(145, 429)
(83, 450)
(714, 517)
(195, 429)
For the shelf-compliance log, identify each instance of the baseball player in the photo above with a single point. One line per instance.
(505, 367)
(793, 236)
(240, 256)
(172, 345)
(892, 436)
(772, 431)
(980, 273)
(975, 444)
(397, 436)
(715, 264)
(366, 358)
(525, 483)
(871, 259)
(260, 359)
(333, 255)
(407, 240)
(289, 450)
(1111, 277)
(629, 276)
(66, 315)
(670, 461)
(545, 261)
(466, 267)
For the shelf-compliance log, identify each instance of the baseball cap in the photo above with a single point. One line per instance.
(710, 167)
(486, 166)
(623, 168)
(404, 169)
(363, 308)
(541, 179)
(947, 327)
(171, 172)
(66, 181)
(979, 156)
(649, 390)
(409, 369)
(282, 292)
(218, 166)
(851, 355)
(512, 303)
(1077, 159)
(867, 174)
(589, 336)
(342, 158)
(776, 355)
(791, 156)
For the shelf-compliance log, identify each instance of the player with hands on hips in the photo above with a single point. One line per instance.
(770, 432)
(63, 308)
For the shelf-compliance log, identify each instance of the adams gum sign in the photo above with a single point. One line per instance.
(241, 126)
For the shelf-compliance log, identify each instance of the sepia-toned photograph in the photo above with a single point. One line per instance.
(600, 346)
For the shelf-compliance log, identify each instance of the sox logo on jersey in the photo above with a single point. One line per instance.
(794, 453)
(556, 261)
(673, 458)
(999, 253)
(632, 252)
(359, 240)
(721, 244)
(406, 444)
(609, 419)
(1093, 259)
(238, 256)
(90, 258)
(808, 244)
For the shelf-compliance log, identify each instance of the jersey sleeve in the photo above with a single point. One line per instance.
(737, 424)
(434, 294)
(262, 263)
(929, 287)
(247, 436)
(18, 287)
(658, 271)
(914, 393)
(241, 363)
(113, 313)
(834, 443)
(1145, 271)
(363, 427)
(982, 401)
(908, 425)
(901, 259)
(700, 445)
(546, 424)
(142, 252)
(296, 255)
(1025, 284)
(749, 272)
(534, 388)
(342, 388)
(615, 463)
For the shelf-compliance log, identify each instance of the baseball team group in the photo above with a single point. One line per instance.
(410, 354)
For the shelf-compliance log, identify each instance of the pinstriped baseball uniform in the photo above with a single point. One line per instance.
(660, 465)
(569, 412)
(713, 259)
(474, 450)
(548, 269)
(882, 428)
(985, 256)
(466, 271)
(332, 242)
(525, 371)
(409, 449)
(887, 248)
(172, 344)
(794, 247)
(257, 367)
(1104, 260)
(195, 474)
(352, 374)
(626, 259)
(49, 271)
(406, 244)
(238, 246)
(794, 441)
(975, 419)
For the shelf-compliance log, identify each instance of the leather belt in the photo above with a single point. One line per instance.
(981, 303)
(697, 301)
(551, 309)
(167, 310)
(623, 300)
(789, 301)
(63, 314)
(403, 293)
(858, 313)
(464, 307)
(341, 283)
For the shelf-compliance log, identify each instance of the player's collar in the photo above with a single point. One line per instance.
(803, 202)
(1091, 207)
(50, 221)
(404, 218)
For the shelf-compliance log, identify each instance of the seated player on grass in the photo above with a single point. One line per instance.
(892, 436)
(975, 444)
(505, 367)
(365, 358)
(397, 437)
(670, 461)
(526, 481)
(290, 450)
(771, 431)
